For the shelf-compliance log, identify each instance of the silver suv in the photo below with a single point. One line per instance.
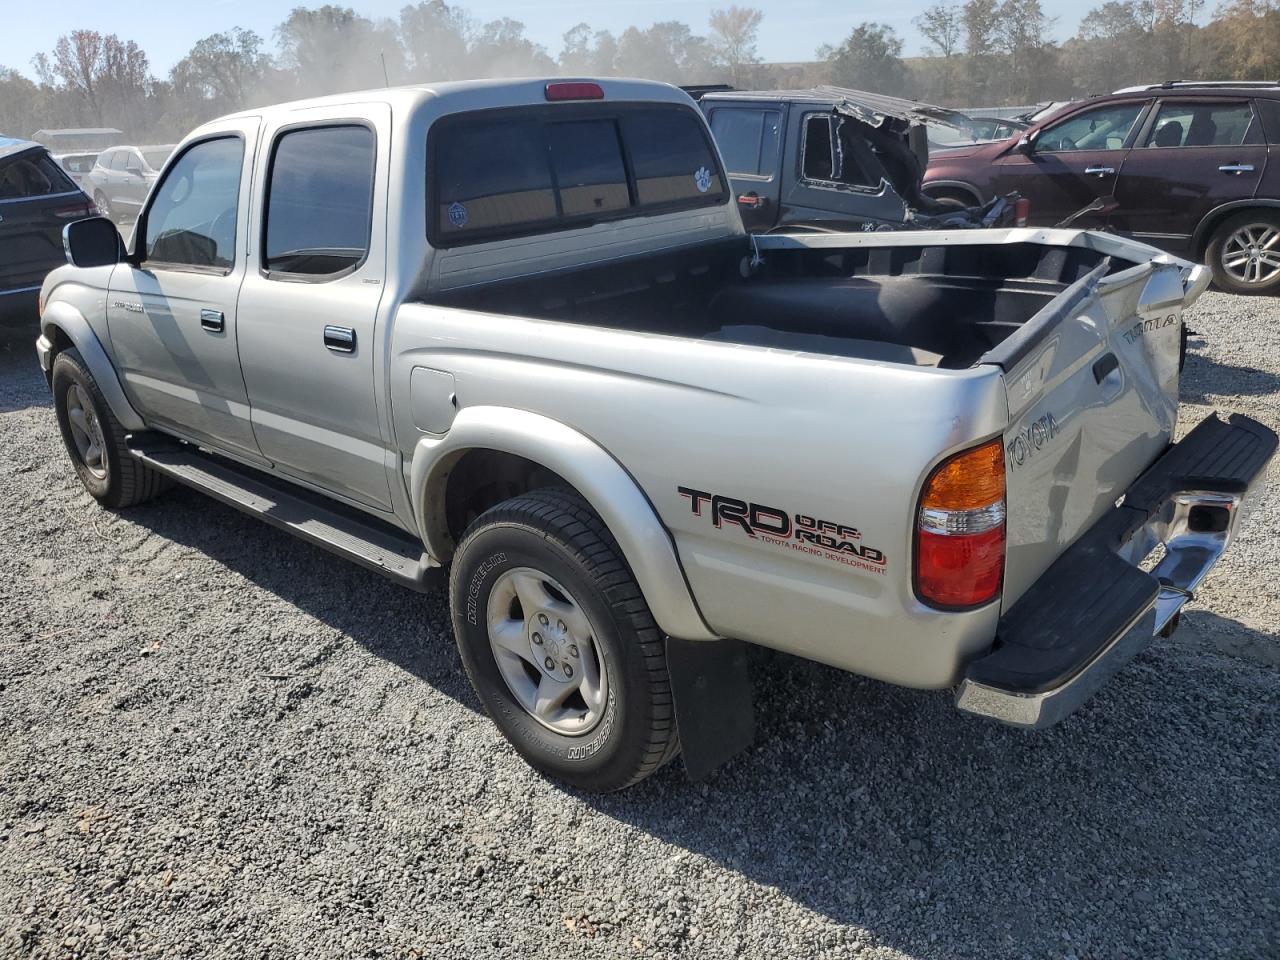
(122, 176)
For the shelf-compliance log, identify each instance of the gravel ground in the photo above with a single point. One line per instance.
(218, 741)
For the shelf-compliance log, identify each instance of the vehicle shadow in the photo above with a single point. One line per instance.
(410, 630)
(882, 809)
(1203, 378)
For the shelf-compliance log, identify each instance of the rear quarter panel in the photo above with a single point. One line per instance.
(831, 439)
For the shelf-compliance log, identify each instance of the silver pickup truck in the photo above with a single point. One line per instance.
(516, 328)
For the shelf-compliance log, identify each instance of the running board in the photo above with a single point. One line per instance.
(339, 529)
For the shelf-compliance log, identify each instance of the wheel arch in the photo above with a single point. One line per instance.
(1213, 219)
(525, 450)
(63, 326)
(952, 186)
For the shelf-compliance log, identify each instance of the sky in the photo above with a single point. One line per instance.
(791, 30)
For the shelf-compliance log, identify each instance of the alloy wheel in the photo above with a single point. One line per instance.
(86, 431)
(545, 648)
(1251, 254)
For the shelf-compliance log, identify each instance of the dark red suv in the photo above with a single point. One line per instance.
(1194, 168)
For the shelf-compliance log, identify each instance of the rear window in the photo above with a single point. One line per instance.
(32, 174)
(508, 173)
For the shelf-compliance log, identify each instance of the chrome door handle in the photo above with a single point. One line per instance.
(1100, 171)
(1236, 168)
(340, 339)
(212, 320)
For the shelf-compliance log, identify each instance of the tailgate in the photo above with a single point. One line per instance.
(1093, 401)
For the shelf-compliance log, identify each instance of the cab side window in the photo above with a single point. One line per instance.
(319, 201)
(748, 139)
(837, 159)
(192, 220)
(819, 161)
(1106, 128)
(1204, 125)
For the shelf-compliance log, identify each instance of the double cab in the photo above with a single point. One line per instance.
(516, 330)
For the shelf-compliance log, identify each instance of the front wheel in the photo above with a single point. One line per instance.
(559, 643)
(94, 438)
(1244, 253)
(103, 204)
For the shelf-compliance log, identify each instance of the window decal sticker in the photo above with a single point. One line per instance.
(457, 214)
(702, 178)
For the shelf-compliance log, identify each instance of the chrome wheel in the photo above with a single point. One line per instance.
(86, 431)
(1252, 253)
(545, 649)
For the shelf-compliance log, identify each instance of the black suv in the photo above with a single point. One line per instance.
(37, 199)
(1183, 166)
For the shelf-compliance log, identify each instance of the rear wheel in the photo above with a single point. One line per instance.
(103, 204)
(94, 438)
(1244, 253)
(559, 643)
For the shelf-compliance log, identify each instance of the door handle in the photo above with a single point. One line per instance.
(340, 339)
(1106, 365)
(212, 320)
(1236, 168)
(751, 200)
(1100, 171)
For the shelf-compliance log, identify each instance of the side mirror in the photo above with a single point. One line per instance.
(1025, 146)
(93, 242)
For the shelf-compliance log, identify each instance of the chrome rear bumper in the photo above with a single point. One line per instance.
(1103, 602)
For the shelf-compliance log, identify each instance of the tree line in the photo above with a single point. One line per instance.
(981, 52)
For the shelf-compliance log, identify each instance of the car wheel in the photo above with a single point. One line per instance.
(951, 197)
(559, 644)
(94, 438)
(103, 204)
(1244, 253)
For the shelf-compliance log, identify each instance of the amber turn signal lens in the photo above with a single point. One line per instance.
(960, 537)
(970, 480)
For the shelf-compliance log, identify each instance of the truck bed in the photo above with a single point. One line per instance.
(924, 305)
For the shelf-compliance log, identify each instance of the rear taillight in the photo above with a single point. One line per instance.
(1021, 211)
(960, 530)
(574, 90)
(76, 212)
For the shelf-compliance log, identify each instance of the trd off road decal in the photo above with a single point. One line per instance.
(800, 531)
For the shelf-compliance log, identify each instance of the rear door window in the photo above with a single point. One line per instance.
(319, 201)
(1191, 124)
(509, 173)
(748, 139)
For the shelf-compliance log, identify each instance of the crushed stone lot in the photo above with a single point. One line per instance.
(217, 741)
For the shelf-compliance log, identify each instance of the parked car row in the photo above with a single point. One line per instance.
(1182, 166)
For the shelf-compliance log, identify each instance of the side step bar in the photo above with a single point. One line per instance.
(347, 532)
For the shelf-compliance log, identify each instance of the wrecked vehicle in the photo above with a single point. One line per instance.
(517, 328)
(836, 159)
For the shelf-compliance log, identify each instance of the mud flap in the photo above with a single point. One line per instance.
(712, 692)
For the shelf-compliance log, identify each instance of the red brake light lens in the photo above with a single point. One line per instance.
(960, 531)
(575, 90)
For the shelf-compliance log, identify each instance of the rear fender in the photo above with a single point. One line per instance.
(606, 485)
(60, 316)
